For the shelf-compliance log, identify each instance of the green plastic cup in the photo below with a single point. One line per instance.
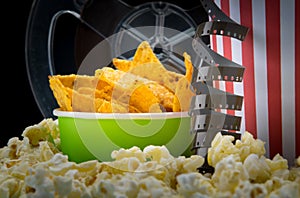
(89, 136)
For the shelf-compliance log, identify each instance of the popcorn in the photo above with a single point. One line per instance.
(63, 185)
(247, 189)
(287, 190)
(79, 190)
(127, 186)
(158, 153)
(193, 163)
(273, 183)
(46, 130)
(103, 188)
(228, 173)
(38, 184)
(35, 167)
(129, 164)
(257, 168)
(131, 152)
(20, 171)
(222, 147)
(278, 162)
(248, 145)
(194, 184)
(10, 187)
(294, 174)
(152, 187)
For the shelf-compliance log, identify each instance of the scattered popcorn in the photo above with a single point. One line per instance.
(248, 145)
(63, 185)
(287, 190)
(35, 167)
(132, 152)
(279, 167)
(278, 163)
(192, 163)
(159, 154)
(195, 184)
(248, 189)
(39, 184)
(47, 129)
(228, 173)
(222, 147)
(257, 168)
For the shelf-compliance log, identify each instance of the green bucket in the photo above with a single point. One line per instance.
(89, 136)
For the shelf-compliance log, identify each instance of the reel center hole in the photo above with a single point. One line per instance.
(158, 49)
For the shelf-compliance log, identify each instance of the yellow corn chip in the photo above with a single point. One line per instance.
(106, 106)
(96, 93)
(85, 103)
(142, 84)
(111, 74)
(157, 72)
(88, 103)
(74, 81)
(128, 89)
(183, 92)
(144, 54)
(62, 94)
(147, 65)
(144, 99)
(165, 96)
(183, 96)
(66, 80)
(121, 64)
(188, 66)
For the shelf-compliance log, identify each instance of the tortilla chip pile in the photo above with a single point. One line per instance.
(139, 85)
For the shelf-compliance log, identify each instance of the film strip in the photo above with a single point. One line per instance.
(207, 121)
(212, 98)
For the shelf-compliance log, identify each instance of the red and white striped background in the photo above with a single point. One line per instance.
(271, 84)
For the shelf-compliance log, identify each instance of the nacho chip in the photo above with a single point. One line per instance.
(85, 103)
(183, 92)
(96, 93)
(147, 65)
(129, 81)
(188, 66)
(106, 106)
(85, 99)
(143, 99)
(62, 94)
(142, 84)
(144, 54)
(73, 80)
(157, 72)
(66, 80)
(128, 89)
(121, 64)
(164, 96)
(183, 96)
(111, 74)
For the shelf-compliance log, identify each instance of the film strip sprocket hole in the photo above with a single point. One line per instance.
(229, 29)
(206, 121)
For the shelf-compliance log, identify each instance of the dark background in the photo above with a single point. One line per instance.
(19, 107)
